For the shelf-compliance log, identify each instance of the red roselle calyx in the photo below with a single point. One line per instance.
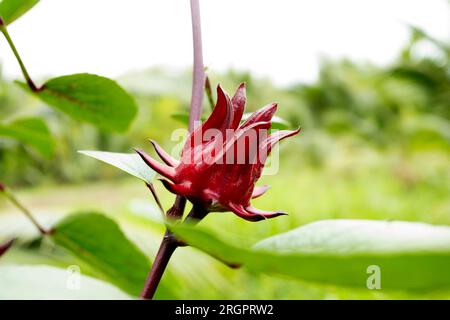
(222, 159)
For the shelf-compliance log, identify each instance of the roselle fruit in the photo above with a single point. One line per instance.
(223, 159)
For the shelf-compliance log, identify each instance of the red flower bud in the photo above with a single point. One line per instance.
(222, 159)
(2, 187)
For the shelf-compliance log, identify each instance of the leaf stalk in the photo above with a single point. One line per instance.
(10, 196)
(24, 70)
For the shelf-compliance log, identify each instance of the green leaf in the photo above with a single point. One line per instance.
(349, 237)
(30, 131)
(90, 98)
(183, 117)
(42, 282)
(341, 252)
(11, 10)
(129, 162)
(99, 242)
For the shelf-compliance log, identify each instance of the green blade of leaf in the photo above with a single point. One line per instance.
(99, 242)
(30, 131)
(43, 282)
(90, 98)
(409, 255)
(11, 10)
(356, 237)
(129, 162)
(183, 117)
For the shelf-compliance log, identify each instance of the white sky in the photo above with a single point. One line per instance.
(281, 39)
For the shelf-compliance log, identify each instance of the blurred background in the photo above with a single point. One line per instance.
(368, 81)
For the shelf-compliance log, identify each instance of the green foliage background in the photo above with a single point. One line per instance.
(375, 145)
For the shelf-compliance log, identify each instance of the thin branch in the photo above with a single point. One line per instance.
(166, 249)
(196, 214)
(155, 196)
(5, 246)
(25, 73)
(10, 196)
(169, 243)
(208, 91)
(177, 210)
(198, 80)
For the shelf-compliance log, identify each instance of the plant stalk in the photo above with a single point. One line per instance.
(25, 73)
(209, 94)
(195, 215)
(198, 80)
(168, 246)
(24, 210)
(166, 249)
(5, 246)
(169, 243)
(152, 189)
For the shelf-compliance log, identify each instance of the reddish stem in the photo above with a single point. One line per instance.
(10, 196)
(5, 246)
(198, 80)
(24, 70)
(152, 189)
(169, 243)
(166, 249)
